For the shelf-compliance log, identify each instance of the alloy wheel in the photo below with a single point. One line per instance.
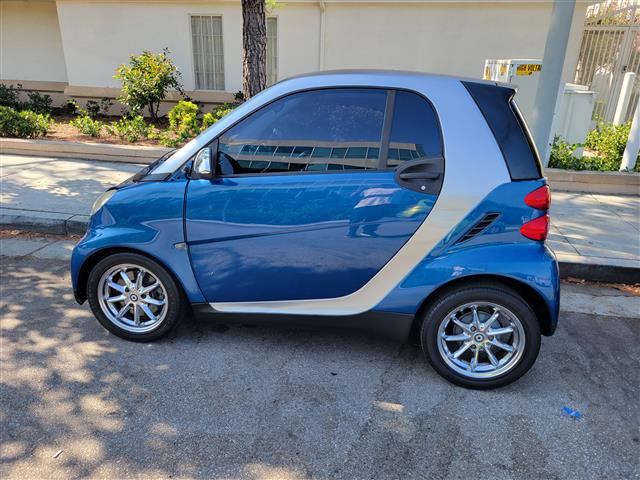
(481, 340)
(133, 298)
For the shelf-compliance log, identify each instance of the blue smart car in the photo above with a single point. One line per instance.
(399, 203)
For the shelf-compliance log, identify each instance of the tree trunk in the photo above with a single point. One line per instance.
(254, 43)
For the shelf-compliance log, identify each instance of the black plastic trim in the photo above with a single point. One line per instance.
(383, 156)
(480, 226)
(396, 326)
(423, 175)
(495, 102)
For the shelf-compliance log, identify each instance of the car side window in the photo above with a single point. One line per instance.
(415, 130)
(333, 129)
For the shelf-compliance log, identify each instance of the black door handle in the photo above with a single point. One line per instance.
(420, 176)
(423, 175)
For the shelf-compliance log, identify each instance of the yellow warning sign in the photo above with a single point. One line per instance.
(528, 68)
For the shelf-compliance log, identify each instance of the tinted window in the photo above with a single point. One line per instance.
(333, 129)
(415, 132)
(509, 130)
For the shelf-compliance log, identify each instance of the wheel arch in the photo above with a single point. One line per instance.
(93, 259)
(533, 298)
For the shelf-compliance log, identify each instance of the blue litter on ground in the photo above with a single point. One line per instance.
(572, 413)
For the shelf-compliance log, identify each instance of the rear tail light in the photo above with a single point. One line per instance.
(539, 199)
(538, 228)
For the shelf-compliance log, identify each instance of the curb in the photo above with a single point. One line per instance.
(82, 150)
(64, 224)
(600, 272)
(43, 222)
(585, 181)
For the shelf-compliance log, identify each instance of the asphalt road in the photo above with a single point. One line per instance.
(256, 403)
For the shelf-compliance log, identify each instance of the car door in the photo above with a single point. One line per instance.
(315, 193)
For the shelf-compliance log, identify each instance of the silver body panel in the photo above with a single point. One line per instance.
(474, 166)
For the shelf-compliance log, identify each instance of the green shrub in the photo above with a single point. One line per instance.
(96, 109)
(86, 124)
(609, 140)
(183, 119)
(145, 81)
(169, 139)
(70, 107)
(38, 103)
(131, 129)
(562, 156)
(23, 124)
(9, 96)
(209, 119)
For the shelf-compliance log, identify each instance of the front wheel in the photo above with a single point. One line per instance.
(482, 337)
(134, 297)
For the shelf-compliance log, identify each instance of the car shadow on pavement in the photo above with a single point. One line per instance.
(215, 402)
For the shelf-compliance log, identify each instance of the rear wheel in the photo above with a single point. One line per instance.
(482, 336)
(134, 297)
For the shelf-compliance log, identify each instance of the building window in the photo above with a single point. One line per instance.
(272, 50)
(208, 58)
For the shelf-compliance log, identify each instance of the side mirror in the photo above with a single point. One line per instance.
(204, 165)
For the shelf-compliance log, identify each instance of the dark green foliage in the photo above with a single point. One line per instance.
(23, 124)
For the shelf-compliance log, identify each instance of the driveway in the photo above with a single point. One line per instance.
(211, 402)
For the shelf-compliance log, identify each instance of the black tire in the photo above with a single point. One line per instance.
(498, 294)
(174, 299)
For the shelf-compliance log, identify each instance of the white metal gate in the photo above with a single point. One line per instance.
(610, 47)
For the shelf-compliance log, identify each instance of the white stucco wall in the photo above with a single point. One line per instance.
(452, 37)
(445, 37)
(98, 37)
(30, 44)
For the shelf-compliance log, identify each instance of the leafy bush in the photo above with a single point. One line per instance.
(609, 141)
(183, 119)
(86, 124)
(562, 156)
(70, 107)
(131, 129)
(95, 108)
(169, 139)
(38, 103)
(210, 118)
(146, 79)
(23, 124)
(184, 124)
(9, 96)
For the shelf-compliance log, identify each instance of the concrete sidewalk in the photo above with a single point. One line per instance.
(596, 237)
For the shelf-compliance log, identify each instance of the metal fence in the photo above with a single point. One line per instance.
(610, 48)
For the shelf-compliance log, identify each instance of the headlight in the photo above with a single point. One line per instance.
(101, 200)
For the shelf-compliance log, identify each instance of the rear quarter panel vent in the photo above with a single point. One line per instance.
(479, 227)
